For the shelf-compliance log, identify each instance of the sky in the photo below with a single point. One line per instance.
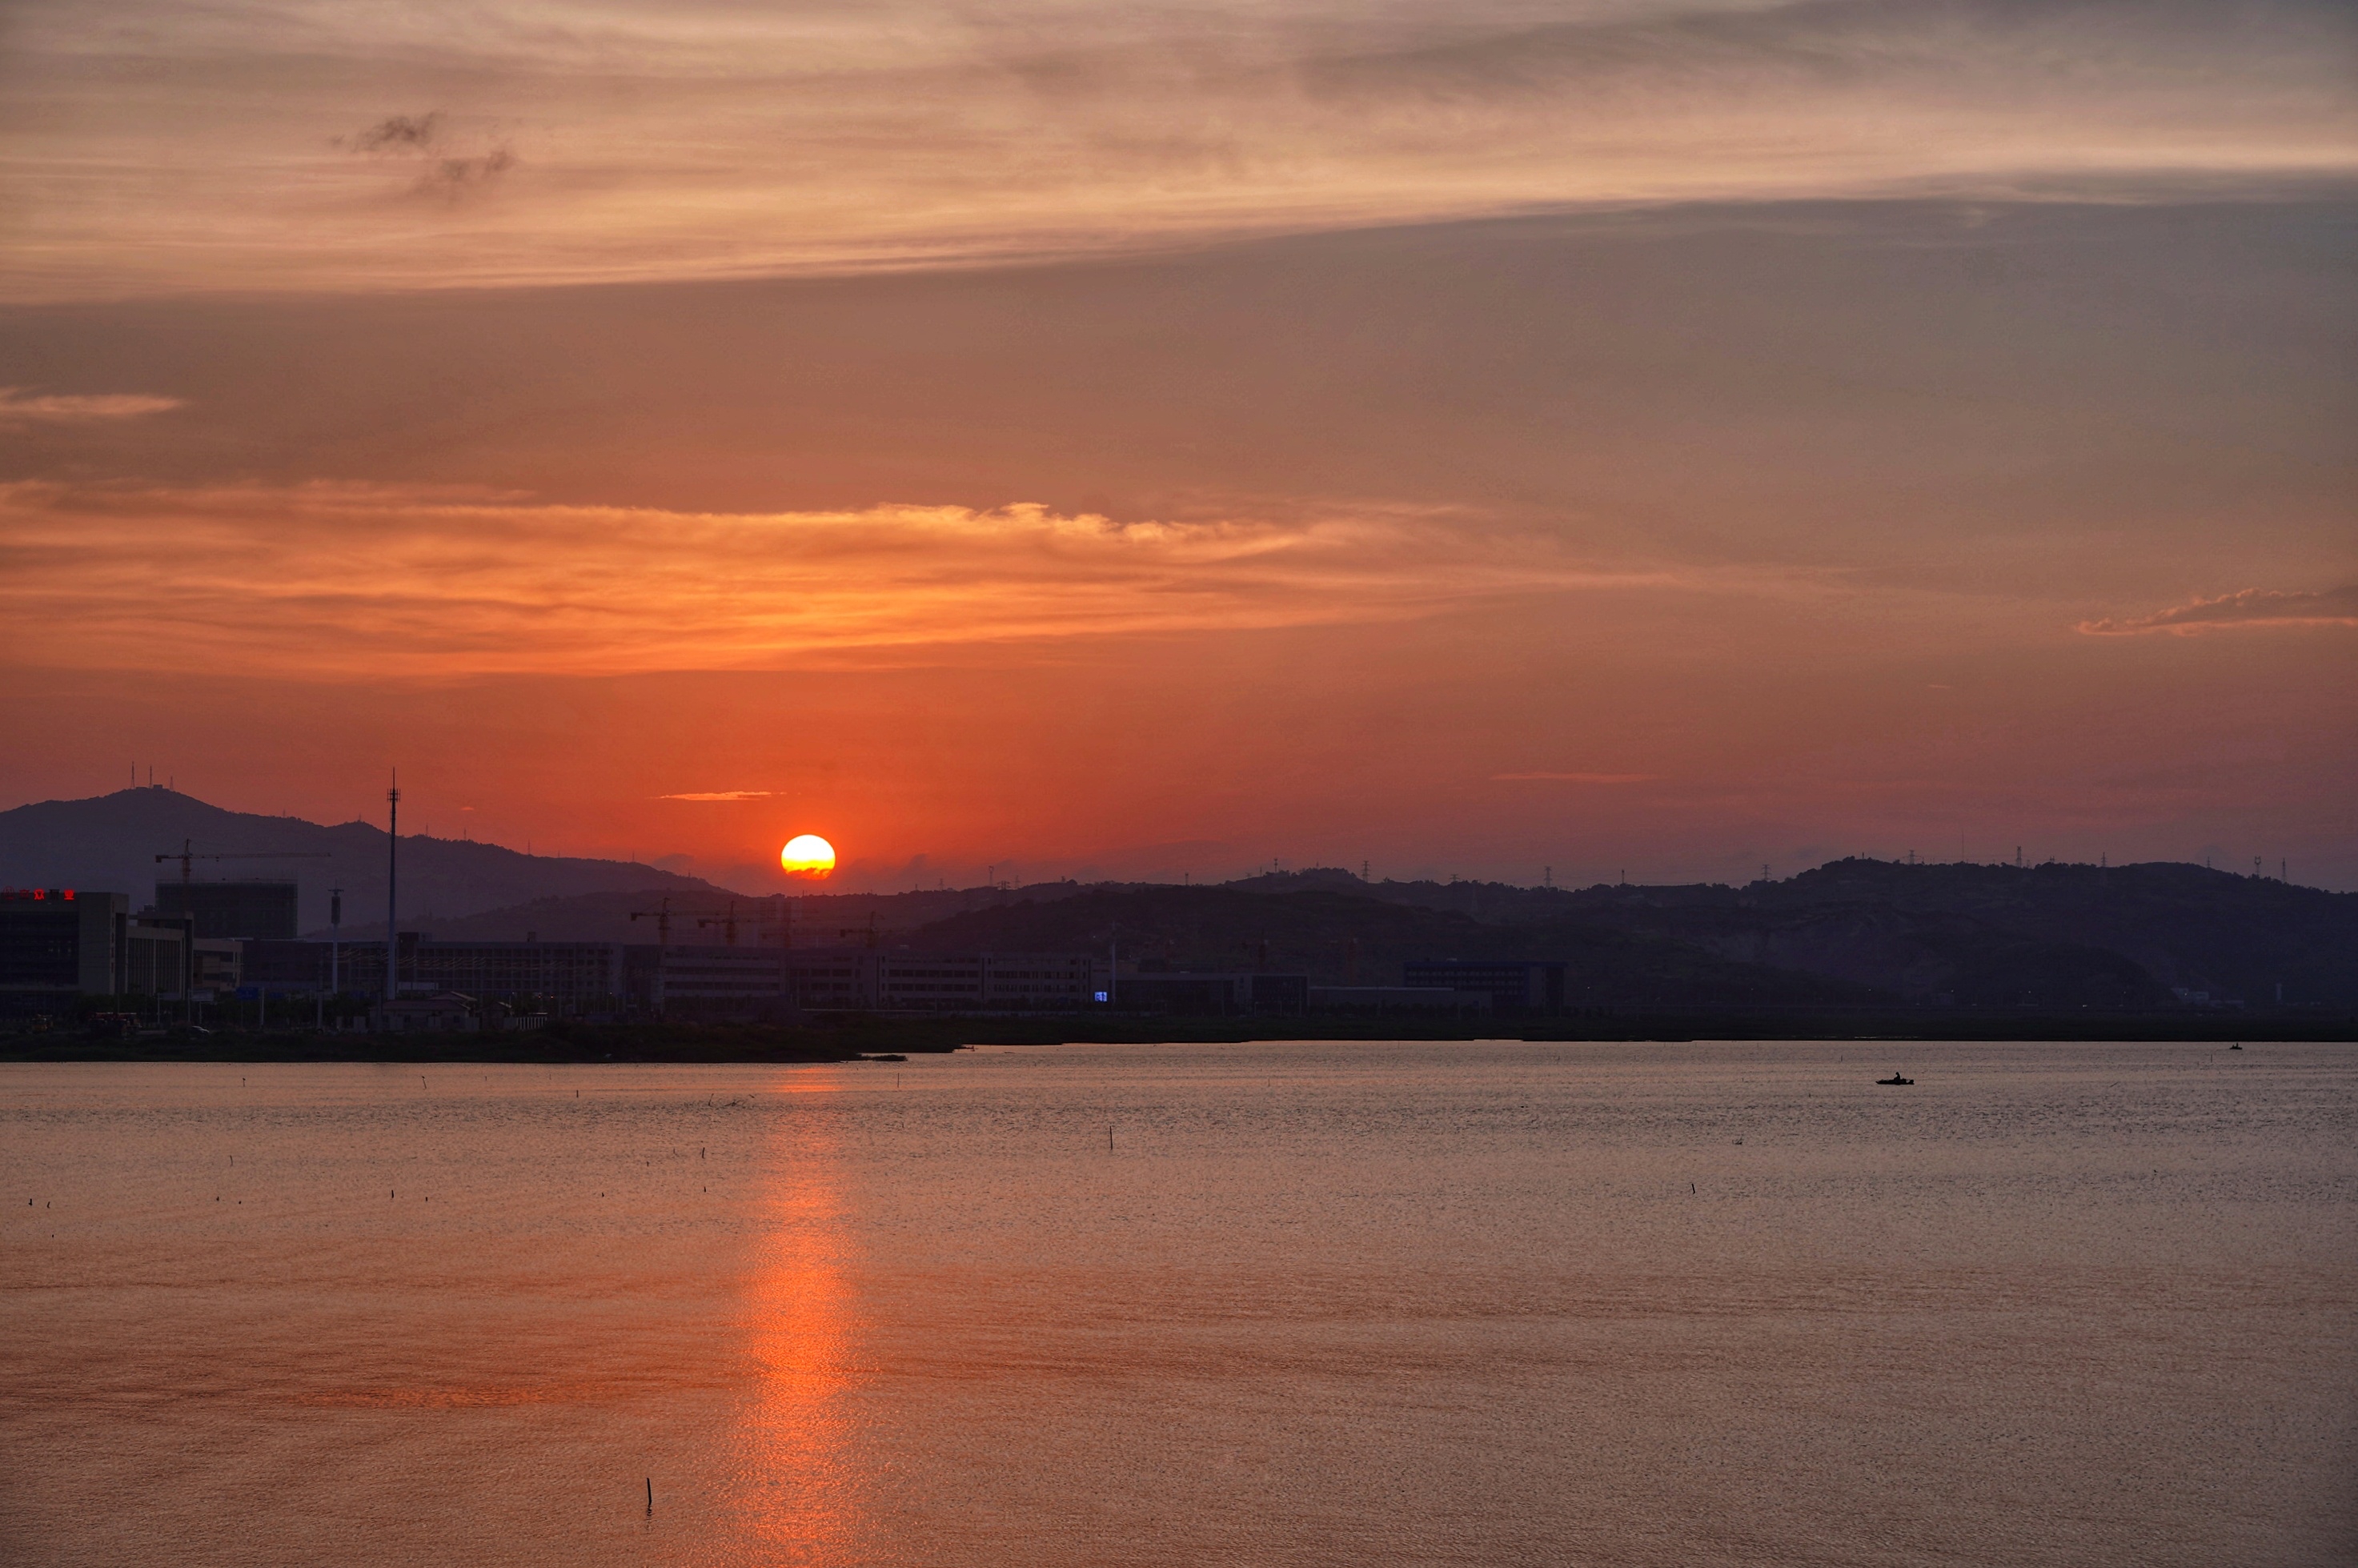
(1509, 440)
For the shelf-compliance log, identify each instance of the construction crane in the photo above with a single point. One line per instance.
(728, 923)
(868, 931)
(187, 854)
(661, 916)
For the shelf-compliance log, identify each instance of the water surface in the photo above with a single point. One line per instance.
(1268, 1303)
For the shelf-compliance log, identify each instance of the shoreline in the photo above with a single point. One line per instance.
(865, 1038)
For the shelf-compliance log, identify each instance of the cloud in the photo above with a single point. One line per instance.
(449, 175)
(2252, 607)
(375, 581)
(454, 177)
(704, 140)
(16, 409)
(723, 794)
(1574, 778)
(397, 133)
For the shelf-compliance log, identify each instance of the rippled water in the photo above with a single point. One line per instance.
(1314, 1303)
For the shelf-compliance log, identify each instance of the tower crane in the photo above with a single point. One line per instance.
(661, 916)
(728, 923)
(869, 931)
(186, 854)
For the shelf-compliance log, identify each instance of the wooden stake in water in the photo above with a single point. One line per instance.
(651, 1497)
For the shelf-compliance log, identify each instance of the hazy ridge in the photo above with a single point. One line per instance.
(2053, 936)
(110, 843)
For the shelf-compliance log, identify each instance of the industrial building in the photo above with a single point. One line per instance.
(1514, 985)
(573, 977)
(584, 977)
(247, 911)
(58, 944)
(1212, 994)
(1397, 998)
(873, 979)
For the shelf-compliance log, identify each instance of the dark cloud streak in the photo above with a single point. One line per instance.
(397, 134)
(451, 177)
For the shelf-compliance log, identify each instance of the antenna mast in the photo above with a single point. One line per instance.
(392, 864)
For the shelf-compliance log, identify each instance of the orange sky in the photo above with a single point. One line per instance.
(1093, 440)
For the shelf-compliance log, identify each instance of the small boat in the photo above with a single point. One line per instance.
(2237, 1046)
(1895, 1078)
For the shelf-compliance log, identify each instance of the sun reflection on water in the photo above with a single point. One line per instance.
(798, 1489)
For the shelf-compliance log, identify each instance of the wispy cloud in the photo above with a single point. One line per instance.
(2252, 607)
(19, 407)
(351, 579)
(425, 142)
(711, 139)
(723, 795)
(395, 133)
(1574, 778)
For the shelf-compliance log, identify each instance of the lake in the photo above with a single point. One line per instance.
(1281, 1303)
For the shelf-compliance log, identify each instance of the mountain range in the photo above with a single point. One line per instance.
(1854, 931)
(110, 842)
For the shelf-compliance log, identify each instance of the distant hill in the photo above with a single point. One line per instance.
(1975, 935)
(110, 843)
(1344, 938)
(1988, 936)
(1962, 930)
(2053, 934)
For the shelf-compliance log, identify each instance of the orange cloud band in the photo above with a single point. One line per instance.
(337, 580)
(18, 407)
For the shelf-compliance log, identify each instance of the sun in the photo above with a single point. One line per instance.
(807, 855)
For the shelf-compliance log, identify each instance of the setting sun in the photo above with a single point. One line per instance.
(807, 855)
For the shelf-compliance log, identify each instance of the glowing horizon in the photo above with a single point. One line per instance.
(1668, 436)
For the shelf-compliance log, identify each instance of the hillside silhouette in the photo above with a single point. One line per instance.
(110, 843)
(1969, 937)
(2059, 934)
(2055, 935)
(1345, 939)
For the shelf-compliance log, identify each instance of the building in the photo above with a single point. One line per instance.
(579, 977)
(1515, 985)
(1397, 998)
(1210, 994)
(899, 979)
(255, 911)
(444, 1012)
(571, 977)
(700, 980)
(158, 957)
(1037, 982)
(216, 964)
(865, 979)
(57, 944)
